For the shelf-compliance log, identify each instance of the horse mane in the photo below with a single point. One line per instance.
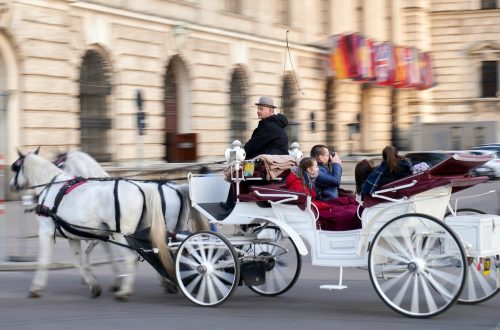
(81, 164)
(40, 170)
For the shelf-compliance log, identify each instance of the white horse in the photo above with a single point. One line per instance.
(89, 207)
(177, 215)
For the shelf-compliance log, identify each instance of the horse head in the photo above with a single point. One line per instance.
(31, 169)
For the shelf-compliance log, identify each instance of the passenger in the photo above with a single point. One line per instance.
(361, 171)
(335, 214)
(330, 172)
(302, 177)
(392, 168)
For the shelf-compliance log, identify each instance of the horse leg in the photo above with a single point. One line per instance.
(45, 246)
(127, 285)
(84, 267)
(115, 284)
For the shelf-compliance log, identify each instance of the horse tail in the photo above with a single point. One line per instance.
(200, 222)
(158, 232)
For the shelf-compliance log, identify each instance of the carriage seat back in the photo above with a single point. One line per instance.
(208, 188)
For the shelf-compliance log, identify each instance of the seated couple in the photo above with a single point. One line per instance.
(335, 213)
(393, 167)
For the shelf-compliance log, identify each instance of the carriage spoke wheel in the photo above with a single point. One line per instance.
(207, 268)
(480, 284)
(417, 264)
(283, 263)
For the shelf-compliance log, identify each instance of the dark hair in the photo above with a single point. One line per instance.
(391, 157)
(317, 150)
(361, 171)
(305, 163)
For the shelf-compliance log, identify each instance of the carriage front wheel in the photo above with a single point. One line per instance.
(417, 265)
(207, 268)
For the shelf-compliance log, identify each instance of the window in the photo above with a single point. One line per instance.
(235, 6)
(488, 4)
(489, 78)
(479, 133)
(238, 103)
(288, 99)
(95, 122)
(284, 12)
(456, 137)
(330, 111)
(325, 15)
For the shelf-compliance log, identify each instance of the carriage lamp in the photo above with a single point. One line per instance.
(294, 151)
(235, 152)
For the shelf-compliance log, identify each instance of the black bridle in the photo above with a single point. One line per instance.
(16, 168)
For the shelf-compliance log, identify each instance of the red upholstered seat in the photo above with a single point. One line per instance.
(269, 191)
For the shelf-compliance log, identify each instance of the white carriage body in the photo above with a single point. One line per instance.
(344, 248)
(479, 233)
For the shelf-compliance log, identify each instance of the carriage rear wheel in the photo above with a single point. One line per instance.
(417, 266)
(207, 268)
(481, 283)
(283, 262)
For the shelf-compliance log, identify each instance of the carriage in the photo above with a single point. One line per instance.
(422, 255)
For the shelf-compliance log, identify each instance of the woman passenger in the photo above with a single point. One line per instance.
(392, 168)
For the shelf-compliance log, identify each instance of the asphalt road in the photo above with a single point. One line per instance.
(66, 305)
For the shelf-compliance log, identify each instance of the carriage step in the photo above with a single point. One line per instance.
(331, 287)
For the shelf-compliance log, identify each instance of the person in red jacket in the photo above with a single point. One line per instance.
(336, 214)
(301, 178)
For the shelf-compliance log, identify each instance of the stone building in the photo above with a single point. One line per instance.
(72, 70)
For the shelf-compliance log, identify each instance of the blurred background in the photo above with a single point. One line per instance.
(175, 81)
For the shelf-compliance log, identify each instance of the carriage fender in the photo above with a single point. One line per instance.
(297, 240)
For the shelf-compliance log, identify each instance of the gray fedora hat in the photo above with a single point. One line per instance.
(266, 101)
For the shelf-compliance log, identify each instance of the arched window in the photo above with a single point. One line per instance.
(95, 122)
(288, 99)
(238, 105)
(179, 140)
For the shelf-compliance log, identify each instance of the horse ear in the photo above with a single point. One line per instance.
(37, 150)
(20, 153)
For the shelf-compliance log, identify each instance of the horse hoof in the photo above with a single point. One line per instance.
(95, 292)
(122, 297)
(34, 294)
(114, 288)
(115, 285)
(170, 288)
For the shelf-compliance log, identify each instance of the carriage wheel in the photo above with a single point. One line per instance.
(207, 269)
(283, 263)
(480, 285)
(416, 265)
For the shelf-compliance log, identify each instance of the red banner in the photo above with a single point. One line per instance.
(356, 57)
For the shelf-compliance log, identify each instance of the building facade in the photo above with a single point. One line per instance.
(72, 72)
